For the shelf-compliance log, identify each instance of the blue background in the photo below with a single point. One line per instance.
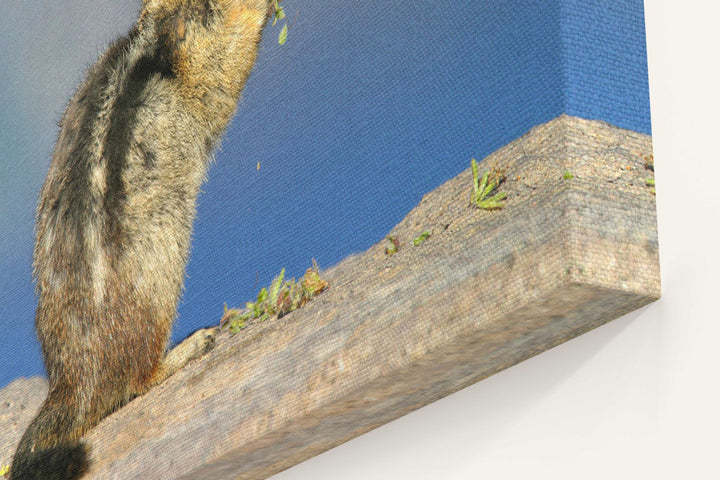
(367, 107)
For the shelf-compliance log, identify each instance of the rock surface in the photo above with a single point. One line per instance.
(393, 333)
(19, 402)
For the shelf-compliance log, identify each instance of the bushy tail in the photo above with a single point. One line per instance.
(50, 449)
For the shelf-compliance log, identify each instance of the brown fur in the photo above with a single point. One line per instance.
(116, 211)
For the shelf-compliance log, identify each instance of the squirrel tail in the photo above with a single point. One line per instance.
(50, 449)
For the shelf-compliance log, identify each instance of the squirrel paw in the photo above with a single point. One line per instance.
(202, 341)
(195, 346)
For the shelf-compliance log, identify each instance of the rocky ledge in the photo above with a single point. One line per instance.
(575, 246)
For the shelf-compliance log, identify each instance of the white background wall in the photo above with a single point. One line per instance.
(637, 398)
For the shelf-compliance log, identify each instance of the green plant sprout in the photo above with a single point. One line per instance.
(394, 246)
(568, 175)
(421, 239)
(483, 187)
(4, 469)
(282, 297)
(650, 165)
(279, 14)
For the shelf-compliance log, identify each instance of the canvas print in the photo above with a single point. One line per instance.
(238, 233)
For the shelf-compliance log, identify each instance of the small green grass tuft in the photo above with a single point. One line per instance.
(421, 239)
(282, 297)
(568, 175)
(486, 185)
(650, 165)
(4, 470)
(394, 246)
(650, 182)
